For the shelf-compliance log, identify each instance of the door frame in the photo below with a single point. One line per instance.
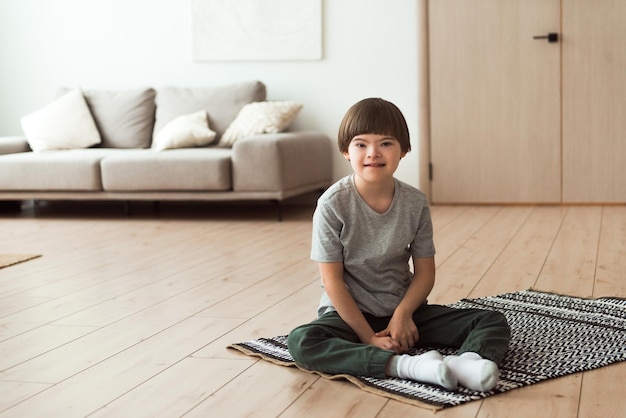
(423, 117)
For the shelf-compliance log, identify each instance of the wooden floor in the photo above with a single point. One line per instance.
(130, 316)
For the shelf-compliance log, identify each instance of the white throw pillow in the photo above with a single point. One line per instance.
(260, 118)
(184, 132)
(65, 123)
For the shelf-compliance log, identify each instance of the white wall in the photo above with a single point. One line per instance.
(370, 49)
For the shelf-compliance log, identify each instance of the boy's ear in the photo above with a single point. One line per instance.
(346, 155)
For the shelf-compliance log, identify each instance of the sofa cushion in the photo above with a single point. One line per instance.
(66, 123)
(260, 118)
(185, 131)
(185, 169)
(125, 118)
(222, 103)
(68, 170)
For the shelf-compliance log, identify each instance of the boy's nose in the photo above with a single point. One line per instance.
(373, 152)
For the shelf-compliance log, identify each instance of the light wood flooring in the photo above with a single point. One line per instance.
(130, 316)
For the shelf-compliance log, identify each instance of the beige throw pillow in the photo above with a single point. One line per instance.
(185, 131)
(124, 117)
(66, 123)
(259, 118)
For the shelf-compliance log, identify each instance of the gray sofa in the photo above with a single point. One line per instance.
(262, 166)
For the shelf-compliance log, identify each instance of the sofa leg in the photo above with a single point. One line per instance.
(279, 209)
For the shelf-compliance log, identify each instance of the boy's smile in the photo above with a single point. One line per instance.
(374, 157)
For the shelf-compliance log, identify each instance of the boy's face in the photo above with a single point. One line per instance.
(374, 157)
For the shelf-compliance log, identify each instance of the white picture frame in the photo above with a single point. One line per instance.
(257, 30)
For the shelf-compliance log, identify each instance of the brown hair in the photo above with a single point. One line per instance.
(373, 116)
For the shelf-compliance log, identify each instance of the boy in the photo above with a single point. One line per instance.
(366, 228)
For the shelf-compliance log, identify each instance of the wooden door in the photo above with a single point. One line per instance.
(495, 101)
(594, 101)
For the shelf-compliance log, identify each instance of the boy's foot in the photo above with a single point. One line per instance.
(426, 368)
(474, 372)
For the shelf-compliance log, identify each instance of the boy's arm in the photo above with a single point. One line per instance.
(348, 310)
(402, 328)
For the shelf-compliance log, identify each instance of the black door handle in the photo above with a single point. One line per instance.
(551, 37)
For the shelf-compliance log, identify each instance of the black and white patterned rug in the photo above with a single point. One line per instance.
(551, 336)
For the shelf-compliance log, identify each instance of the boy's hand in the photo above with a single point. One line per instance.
(386, 343)
(403, 331)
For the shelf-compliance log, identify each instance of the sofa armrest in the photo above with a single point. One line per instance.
(13, 144)
(283, 161)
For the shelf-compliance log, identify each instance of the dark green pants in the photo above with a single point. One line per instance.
(329, 345)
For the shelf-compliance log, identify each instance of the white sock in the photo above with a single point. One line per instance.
(426, 368)
(474, 372)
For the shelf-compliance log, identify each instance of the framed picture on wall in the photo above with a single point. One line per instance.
(257, 30)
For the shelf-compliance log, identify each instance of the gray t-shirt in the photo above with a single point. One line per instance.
(375, 248)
